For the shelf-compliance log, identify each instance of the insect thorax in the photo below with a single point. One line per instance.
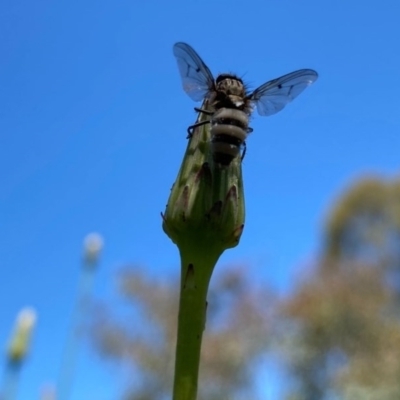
(230, 93)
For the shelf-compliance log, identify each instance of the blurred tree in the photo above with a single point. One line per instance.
(143, 339)
(364, 225)
(340, 329)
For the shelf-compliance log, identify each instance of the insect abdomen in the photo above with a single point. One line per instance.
(229, 129)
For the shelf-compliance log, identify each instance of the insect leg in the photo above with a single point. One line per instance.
(192, 127)
(203, 111)
(244, 150)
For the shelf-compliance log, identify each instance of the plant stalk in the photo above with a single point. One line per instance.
(196, 270)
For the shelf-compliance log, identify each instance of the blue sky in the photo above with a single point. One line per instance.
(92, 131)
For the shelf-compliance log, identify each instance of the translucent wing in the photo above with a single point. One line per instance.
(273, 96)
(197, 79)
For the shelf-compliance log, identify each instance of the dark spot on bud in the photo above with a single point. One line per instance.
(189, 282)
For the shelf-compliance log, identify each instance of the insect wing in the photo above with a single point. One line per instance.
(273, 96)
(197, 79)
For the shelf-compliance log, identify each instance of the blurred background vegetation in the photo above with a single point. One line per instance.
(336, 334)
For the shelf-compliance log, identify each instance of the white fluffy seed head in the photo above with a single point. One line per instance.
(92, 244)
(26, 318)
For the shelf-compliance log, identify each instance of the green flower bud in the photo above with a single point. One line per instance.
(20, 339)
(206, 204)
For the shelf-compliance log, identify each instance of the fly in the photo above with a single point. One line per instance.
(230, 103)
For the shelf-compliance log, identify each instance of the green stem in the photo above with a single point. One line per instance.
(197, 267)
(10, 381)
(71, 347)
